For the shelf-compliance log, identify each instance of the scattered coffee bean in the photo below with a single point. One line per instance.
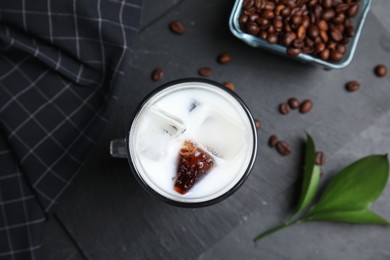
(306, 106)
(205, 72)
(293, 103)
(157, 74)
(273, 139)
(352, 86)
(229, 85)
(283, 148)
(177, 27)
(258, 123)
(381, 70)
(320, 158)
(224, 58)
(284, 109)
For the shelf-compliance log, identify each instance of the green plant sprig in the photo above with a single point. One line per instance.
(346, 198)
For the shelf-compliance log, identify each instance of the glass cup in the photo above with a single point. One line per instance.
(197, 111)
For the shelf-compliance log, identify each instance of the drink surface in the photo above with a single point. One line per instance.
(203, 114)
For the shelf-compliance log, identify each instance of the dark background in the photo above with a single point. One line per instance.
(105, 214)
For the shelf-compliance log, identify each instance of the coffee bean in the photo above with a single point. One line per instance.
(339, 18)
(341, 48)
(273, 139)
(320, 158)
(336, 55)
(322, 25)
(283, 148)
(271, 29)
(286, 12)
(157, 74)
(324, 36)
(340, 28)
(289, 38)
(307, 49)
(306, 106)
(229, 85)
(278, 23)
(224, 58)
(293, 51)
(312, 3)
(205, 72)
(353, 10)
(380, 70)
(243, 19)
(296, 20)
(252, 28)
(320, 47)
(341, 8)
(279, 8)
(328, 14)
(269, 6)
(306, 21)
(293, 103)
(309, 42)
(313, 31)
(301, 33)
(263, 35)
(272, 38)
(177, 27)
(259, 4)
(352, 86)
(258, 123)
(298, 43)
(327, 3)
(336, 35)
(247, 4)
(325, 54)
(317, 11)
(332, 45)
(263, 22)
(253, 17)
(268, 14)
(284, 109)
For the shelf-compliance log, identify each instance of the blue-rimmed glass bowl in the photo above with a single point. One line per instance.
(254, 41)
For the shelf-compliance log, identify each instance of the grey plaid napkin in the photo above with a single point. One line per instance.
(60, 65)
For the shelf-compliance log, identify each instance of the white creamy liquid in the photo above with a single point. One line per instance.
(204, 114)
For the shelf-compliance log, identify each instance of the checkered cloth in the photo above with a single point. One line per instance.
(60, 65)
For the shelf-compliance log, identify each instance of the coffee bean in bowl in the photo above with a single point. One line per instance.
(323, 32)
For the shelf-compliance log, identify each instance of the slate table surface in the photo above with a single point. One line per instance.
(105, 214)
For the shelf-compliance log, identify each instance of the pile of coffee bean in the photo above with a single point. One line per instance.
(320, 28)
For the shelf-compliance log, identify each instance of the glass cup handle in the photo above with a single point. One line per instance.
(118, 148)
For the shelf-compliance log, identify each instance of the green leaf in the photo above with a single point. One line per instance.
(311, 176)
(356, 187)
(354, 217)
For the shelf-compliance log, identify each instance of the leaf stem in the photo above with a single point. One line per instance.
(276, 229)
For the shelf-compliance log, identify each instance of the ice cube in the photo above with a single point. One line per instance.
(219, 133)
(162, 128)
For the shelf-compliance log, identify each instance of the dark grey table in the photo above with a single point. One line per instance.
(105, 214)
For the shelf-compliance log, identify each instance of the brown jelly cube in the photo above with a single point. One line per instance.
(193, 164)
